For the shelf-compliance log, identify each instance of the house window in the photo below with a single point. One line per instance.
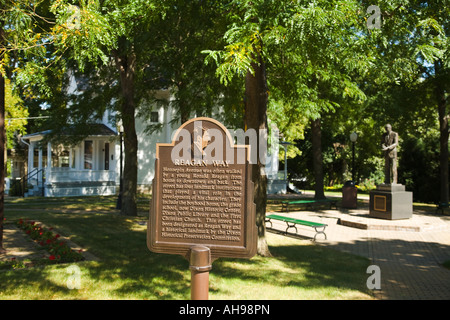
(154, 116)
(36, 158)
(60, 157)
(88, 149)
(63, 159)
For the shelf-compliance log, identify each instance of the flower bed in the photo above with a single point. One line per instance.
(58, 248)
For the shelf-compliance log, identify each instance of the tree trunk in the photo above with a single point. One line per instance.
(2, 149)
(443, 143)
(256, 119)
(316, 132)
(2, 158)
(126, 67)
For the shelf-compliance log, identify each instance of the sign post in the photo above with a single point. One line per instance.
(200, 265)
(202, 200)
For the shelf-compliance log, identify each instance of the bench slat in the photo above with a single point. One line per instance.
(306, 201)
(286, 203)
(293, 220)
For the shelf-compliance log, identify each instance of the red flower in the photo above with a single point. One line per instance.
(49, 241)
(52, 257)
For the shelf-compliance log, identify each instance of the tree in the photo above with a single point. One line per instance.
(20, 36)
(2, 151)
(146, 47)
(327, 54)
(413, 51)
(178, 39)
(113, 34)
(305, 53)
(16, 114)
(256, 95)
(244, 56)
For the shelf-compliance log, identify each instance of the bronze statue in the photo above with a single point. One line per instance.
(389, 146)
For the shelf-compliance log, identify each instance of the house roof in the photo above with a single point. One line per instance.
(95, 129)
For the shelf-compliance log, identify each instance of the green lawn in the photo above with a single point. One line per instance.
(128, 270)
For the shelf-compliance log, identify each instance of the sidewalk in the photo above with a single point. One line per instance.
(409, 252)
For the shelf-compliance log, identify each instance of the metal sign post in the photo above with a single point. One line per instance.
(200, 265)
(202, 199)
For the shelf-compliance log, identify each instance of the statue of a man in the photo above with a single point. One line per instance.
(389, 146)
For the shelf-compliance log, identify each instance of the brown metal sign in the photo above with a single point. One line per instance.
(202, 194)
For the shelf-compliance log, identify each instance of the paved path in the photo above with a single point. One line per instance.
(410, 261)
(19, 246)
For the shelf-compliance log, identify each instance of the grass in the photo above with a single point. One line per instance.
(446, 264)
(128, 270)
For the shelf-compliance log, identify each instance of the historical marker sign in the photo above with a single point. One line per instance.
(202, 194)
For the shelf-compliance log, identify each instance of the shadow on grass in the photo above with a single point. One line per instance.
(18, 283)
(128, 270)
(308, 267)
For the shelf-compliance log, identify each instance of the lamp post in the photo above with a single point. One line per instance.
(353, 138)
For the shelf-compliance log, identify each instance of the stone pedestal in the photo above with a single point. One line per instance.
(391, 201)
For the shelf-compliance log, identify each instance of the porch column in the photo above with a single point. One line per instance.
(30, 156)
(40, 158)
(49, 155)
(39, 175)
(49, 162)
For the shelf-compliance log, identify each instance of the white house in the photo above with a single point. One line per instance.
(88, 168)
(93, 166)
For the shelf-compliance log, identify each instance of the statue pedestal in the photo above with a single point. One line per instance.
(391, 201)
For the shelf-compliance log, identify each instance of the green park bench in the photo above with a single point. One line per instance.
(292, 222)
(309, 202)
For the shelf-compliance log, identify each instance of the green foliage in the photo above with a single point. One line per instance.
(15, 189)
(421, 152)
(321, 61)
(178, 64)
(15, 114)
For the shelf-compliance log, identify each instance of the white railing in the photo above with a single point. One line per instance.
(70, 175)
